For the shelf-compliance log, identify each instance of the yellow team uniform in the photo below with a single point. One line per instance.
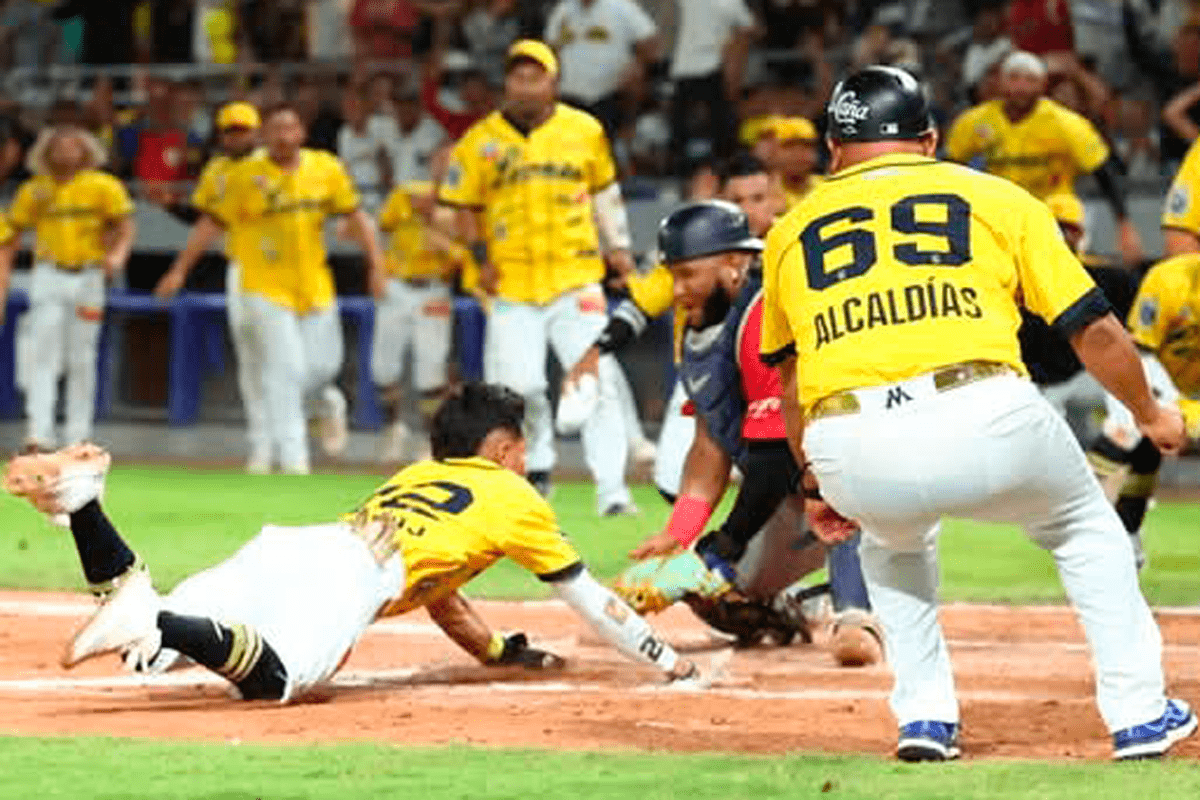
(210, 193)
(411, 255)
(455, 518)
(534, 194)
(1181, 209)
(1165, 319)
(872, 281)
(70, 219)
(1044, 152)
(282, 216)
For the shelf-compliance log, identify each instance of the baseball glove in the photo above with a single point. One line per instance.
(655, 584)
(751, 622)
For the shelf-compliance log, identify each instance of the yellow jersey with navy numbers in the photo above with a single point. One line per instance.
(284, 214)
(534, 194)
(1165, 319)
(411, 253)
(70, 220)
(455, 518)
(209, 194)
(1044, 152)
(903, 264)
(1182, 207)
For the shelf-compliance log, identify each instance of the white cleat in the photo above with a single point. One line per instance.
(128, 620)
(642, 451)
(332, 428)
(59, 483)
(259, 462)
(392, 442)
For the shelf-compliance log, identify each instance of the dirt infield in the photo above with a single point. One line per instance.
(1023, 678)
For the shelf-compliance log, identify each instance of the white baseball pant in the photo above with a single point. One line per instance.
(298, 355)
(992, 450)
(674, 441)
(514, 355)
(249, 375)
(66, 309)
(309, 591)
(412, 322)
(1080, 389)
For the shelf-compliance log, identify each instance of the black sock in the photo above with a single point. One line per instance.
(102, 551)
(1133, 499)
(236, 652)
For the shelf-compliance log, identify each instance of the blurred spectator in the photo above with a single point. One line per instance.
(793, 159)
(363, 148)
(275, 29)
(706, 69)
(327, 23)
(100, 113)
(15, 141)
(215, 31)
(1135, 138)
(646, 141)
(108, 36)
(155, 149)
(415, 136)
(383, 29)
(489, 30)
(605, 48)
(380, 90)
(1077, 86)
(474, 98)
(317, 115)
(886, 44)
(1170, 70)
(987, 48)
(171, 30)
(1041, 26)
(28, 35)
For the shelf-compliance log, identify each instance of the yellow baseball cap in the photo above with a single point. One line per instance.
(238, 115)
(788, 129)
(1066, 209)
(534, 51)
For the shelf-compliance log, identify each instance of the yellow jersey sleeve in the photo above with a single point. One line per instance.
(116, 200)
(25, 206)
(396, 211)
(653, 292)
(961, 143)
(1151, 312)
(1087, 145)
(603, 171)
(343, 197)
(1052, 282)
(534, 540)
(463, 185)
(777, 342)
(211, 186)
(1181, 209)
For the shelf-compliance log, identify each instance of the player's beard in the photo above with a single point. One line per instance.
(715, 308)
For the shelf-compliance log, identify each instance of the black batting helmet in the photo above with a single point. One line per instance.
(878, 103)
(704, 228)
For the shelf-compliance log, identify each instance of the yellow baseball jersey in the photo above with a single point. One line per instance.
(455, 518)
(281, 243)
(535, 196)
(903, 264)
(209, 195)
(1165, 319)
(411, 253)
(1044, 152)
(1182, 209)
(70, 219)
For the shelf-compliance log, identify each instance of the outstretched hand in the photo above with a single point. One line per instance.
(660, 544)
(827, 524)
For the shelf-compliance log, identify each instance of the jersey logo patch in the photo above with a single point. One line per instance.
(897, 396)
(694, 385)
(1148, 313)
(1177, 199)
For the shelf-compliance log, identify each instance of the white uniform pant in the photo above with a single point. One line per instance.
(413, 322)
(66, 309)
(297, 354)
(249, 368)
(515, 355)
(993, 450)
(674, 442)
(309, 591)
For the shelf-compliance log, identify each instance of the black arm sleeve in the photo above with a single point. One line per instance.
(184, 212)
(626, 324)
(769, 471)
(1111, 177)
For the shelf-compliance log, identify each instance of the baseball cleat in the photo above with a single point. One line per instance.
(392, 441)
(332, 429)
(259, 462)
(1153, 739)
(127, 620)
(928, 740)
(642, 451)
(577, 404)
(626, 508)
(59, 483)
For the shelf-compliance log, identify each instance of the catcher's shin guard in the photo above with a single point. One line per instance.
(846, 586)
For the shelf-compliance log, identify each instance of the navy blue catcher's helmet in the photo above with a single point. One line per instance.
(878, 103)
(704, 228)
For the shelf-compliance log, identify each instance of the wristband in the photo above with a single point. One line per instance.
(495, 649)
(479, 252)
(688, 518)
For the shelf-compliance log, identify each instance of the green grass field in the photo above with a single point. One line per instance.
(182, 520)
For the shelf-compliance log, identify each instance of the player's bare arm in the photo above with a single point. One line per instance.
(469, 229)
(362, 229)
(705, 478)
(200, 240)
(1177, 241)
(8, 251)
(459, 621)
(1108, 352)
(119, 241)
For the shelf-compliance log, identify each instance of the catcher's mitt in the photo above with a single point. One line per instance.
(752, 622)
(655, 584)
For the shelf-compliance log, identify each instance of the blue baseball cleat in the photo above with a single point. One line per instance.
(928, 740)
(1153, 739)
